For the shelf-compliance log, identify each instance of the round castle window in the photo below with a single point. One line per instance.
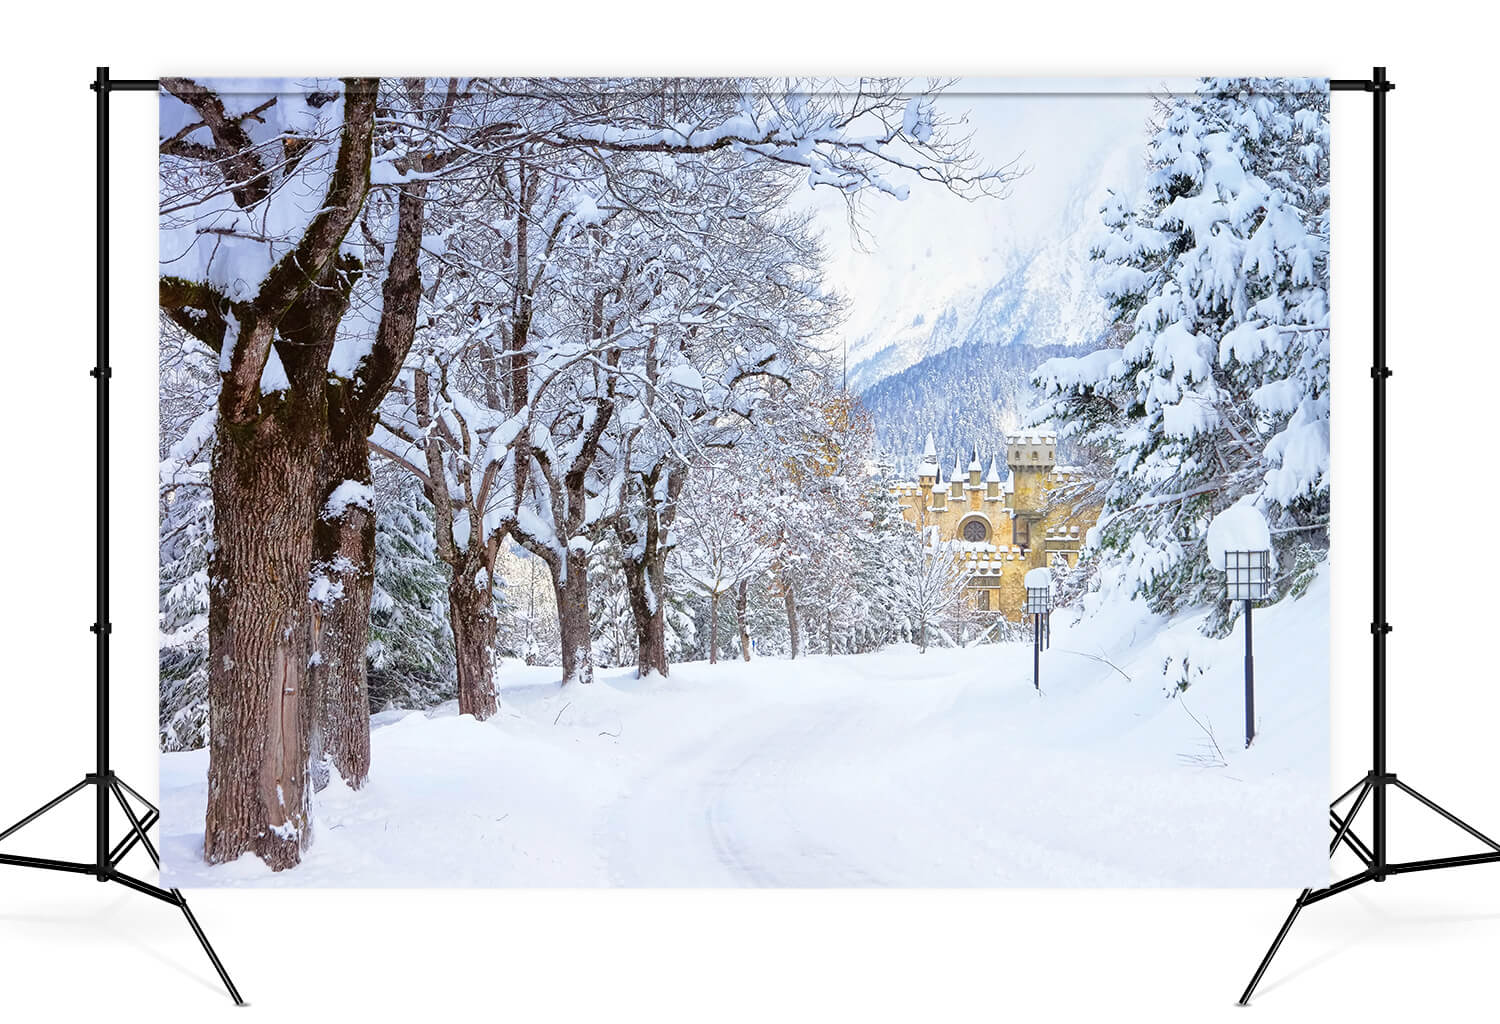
(976, 531)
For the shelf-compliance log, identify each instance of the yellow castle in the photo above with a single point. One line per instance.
(1000, 529)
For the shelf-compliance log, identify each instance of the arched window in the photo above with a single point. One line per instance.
(976, 531)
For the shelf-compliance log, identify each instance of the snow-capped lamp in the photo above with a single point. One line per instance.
(1039, 607)
(1239, 541)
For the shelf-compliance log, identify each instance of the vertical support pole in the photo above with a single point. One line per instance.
(1036, 651)
(1379, 372)
(1249, 678)
(102, 866)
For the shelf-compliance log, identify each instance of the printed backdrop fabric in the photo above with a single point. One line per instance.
(721, 482)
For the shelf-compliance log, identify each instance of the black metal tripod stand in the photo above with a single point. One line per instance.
(1375, 787)
(105, 867)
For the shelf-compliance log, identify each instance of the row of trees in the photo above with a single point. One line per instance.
(543, 305)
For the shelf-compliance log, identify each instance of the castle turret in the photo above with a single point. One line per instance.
(992, 479)
(956, 481)
(1031, 455)
(927, 472)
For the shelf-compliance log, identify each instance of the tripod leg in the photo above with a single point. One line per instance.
(41, 811)
(1260, 971)
(1486, 840)
(192, 921)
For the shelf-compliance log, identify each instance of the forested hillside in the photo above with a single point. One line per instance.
(971, 394)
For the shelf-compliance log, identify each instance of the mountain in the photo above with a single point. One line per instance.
(1040, 293)
(971, 394)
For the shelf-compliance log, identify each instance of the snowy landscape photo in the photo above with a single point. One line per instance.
(857, 482)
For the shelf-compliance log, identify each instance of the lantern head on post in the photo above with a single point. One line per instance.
(1039, 607)
(1038, 591)
(1247, 575)
(1240, 540)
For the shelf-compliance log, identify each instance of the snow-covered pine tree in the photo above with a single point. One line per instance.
(1220, 283)
(410, 651)
(186, 535)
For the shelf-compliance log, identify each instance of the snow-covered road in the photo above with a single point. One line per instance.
(890, 769)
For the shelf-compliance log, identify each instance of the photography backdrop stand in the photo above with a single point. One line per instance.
(1379, 782)
(102, 781)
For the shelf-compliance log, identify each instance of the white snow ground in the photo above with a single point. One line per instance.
(889, 769)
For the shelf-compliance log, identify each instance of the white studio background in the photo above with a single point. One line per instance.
(1420, 945)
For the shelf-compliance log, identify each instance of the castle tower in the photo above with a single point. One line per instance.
(927, 474)
(1031, 456)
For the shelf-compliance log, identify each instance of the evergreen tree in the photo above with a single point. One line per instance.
(410, 651)
(1219, 390)
(186, 532)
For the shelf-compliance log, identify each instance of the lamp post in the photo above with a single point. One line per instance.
(1039, 607)
(1239, 540)
(1247, 577)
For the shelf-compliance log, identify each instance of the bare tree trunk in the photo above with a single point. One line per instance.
(713, 628)
(264, 491)
(265, 486)
(741, 601)
(343, 556)
(571, 584)
(829, 631)
(472, 617)
(645, 562)
(649, 615)
(791, 613)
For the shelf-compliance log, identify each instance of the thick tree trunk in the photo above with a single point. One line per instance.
(713, 628)
(741, 602)
(791, 614)
(570, 582)
(265, 485)
(649, 615)
(344, 571)
(471, 614)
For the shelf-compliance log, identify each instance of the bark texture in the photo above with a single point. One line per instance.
(473, 620)
(644, 545)
(264, 489)
(344, 554)
(571, 585)
(266, 475)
